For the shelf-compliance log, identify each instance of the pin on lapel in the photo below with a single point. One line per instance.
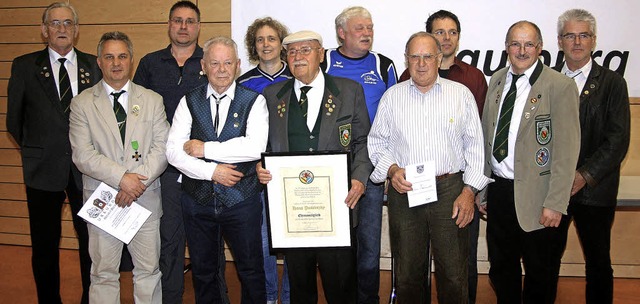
(527, 115)
(136, 110)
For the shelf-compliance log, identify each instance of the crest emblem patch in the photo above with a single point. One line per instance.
(543, 131)
(306, 177)
(345, 134)
(542, 157)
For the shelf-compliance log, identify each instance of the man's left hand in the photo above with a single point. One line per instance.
(463, 207)
(194, 148)
(578, 183)
(550, 218)
(356, 191)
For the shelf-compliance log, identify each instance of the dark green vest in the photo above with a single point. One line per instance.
(300, 139)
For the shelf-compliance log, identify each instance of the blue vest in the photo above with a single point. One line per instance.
(204, 191)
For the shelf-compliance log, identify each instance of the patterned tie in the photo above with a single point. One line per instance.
(501, 140)
(304, 105)
(216, 121)
(121, 113)
(573, 75)
(65, 87)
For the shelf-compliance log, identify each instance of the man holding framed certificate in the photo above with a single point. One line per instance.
(318, 112)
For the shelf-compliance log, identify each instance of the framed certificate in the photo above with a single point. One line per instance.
(305, 199)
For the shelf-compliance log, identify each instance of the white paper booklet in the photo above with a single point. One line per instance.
(122, 223)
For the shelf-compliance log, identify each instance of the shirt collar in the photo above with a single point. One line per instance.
(111, 90)
(528, 74)
(318, 82)
(586, 69)
(54, 56)
(230, 92)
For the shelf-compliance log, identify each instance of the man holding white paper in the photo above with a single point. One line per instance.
(118, 132)
(428, 128)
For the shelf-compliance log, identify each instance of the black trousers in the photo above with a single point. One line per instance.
(540, 250)
(593, 225)
(45, 214)
(337, 271)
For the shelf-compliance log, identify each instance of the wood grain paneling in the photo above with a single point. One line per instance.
(21, 16)
(20, 225)
(3, 86)
(631, 164)
(21, 34)
(6, 141)
(26, 4)
(11, 175)
(13, 208)
(5, 73)
(3, 122)
(215, 11)
(123, 11)
(10, 157)
(3, 103)
(15, 192)
(24, 240)
(10, 51)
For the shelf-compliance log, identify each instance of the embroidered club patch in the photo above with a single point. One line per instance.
(345, 134)
(542, 157)
(543, 131)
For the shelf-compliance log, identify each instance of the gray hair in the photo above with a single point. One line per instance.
(576, 14)
(45, 15)
(220, 40)
(117, 36)
(421, 34)
(348, 13)
(521, 23)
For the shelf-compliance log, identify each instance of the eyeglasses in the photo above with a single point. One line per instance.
(305, 50)
(415, 58)
(572, 36)
(188, 21)
(528, 46)
(442, 32)
(57, 23)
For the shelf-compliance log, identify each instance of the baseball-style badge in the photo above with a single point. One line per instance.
(542, 157)
(306, 177)
(420, 169)
(543, 131)
(345, 134)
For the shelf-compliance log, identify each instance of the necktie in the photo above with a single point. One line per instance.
(501, 140)
(304, 105)
(216, 121)
(121, 114)
(65, 87)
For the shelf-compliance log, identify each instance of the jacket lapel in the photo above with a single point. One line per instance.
(136, 104)
(494, 107)
(592, 84)
(280, 124)
(84, 71)
(44, 74)
(328, 119)
(532, 104)
(105, 110)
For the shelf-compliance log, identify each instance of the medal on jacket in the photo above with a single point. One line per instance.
(137, 156)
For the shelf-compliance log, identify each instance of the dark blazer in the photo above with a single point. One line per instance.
(605, 126)
(348, 97)
(37, 121)
(544, 167)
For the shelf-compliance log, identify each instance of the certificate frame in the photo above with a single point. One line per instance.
(304, 201)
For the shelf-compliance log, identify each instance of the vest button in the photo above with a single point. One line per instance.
(310, 149)
(311, 137)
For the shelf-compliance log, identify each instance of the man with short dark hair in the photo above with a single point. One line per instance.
(532, 139)
(604, 122)
(429, 120)
(172, 72)
(39, 92)
(126, 152)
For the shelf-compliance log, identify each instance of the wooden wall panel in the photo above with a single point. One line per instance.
(10, 51)
(215, 11)
(26, 4)
(6, 141)
(21, 34)
(5, 72)
(3, 86)
(123, 11)
(631, 164)
(15, 192)
(11, 175)
(13, 208)
(10, 157)
(21, 16)
(3, 103)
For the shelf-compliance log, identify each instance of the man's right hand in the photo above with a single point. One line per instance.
(131, 183)
(263, 174)
(226, 175)
(398, 181)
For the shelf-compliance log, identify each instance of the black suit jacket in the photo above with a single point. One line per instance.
(37, 121)
(605, 123)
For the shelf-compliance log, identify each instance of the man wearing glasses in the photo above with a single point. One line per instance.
(604, 122)
(532, 139)
(39, 93)
(172, 72)
(429, 127)
(319, 112)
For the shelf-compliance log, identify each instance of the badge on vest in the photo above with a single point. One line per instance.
(543, 131)
(345, 134)
(542, 157)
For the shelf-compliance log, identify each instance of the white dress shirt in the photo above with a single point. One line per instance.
(441, 125)
(71, 65)
(505, 168)
(123, 100)
(580, 75)
(239, 149)
(314, 98)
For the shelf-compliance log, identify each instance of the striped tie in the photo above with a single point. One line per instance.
(501, 140)
(65, 87)
(304, 105)
(121, 113)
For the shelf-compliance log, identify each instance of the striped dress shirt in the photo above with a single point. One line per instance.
(441, 125)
